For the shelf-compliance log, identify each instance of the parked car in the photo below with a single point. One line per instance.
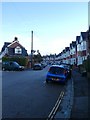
(43, 65)
(11, 65)
(37, 67)
(56, 73)
(68, 69)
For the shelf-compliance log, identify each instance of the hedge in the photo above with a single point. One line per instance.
(86, 64)
(23, 61)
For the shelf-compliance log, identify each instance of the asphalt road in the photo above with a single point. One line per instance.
(25, 94)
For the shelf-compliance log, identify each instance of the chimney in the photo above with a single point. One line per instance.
(15, 39)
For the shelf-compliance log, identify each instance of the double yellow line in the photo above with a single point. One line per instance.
(56, 106)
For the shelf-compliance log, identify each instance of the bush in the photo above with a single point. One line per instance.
(80, 68)
(86, 64)
(23, 61)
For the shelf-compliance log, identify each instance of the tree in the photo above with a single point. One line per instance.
(37, 58)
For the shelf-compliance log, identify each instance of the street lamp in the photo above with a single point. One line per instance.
(31, 49)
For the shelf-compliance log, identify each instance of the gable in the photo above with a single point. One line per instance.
(84, 35)
(15, 44)
(77, 39)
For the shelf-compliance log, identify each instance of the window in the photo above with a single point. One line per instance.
(84, 45)
(56, 70)
(18, 50)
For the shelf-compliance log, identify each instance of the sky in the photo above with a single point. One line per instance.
(55, 24)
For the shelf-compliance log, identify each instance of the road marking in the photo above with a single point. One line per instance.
(56, 106)
(44, 82)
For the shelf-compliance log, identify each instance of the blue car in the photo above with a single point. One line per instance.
(57, 73)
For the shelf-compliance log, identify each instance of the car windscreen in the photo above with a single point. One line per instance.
(15, 64)
(56, 70)
(66, 67)
(37, 65)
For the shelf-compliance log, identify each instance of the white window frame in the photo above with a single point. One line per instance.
(18, 50)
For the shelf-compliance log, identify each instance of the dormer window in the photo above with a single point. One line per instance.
(18, 50)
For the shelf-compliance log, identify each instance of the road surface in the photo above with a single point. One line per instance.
(25, 94)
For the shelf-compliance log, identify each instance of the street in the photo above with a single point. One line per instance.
(25, 94)
(45, 60)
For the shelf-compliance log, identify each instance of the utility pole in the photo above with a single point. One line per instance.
(31, 49)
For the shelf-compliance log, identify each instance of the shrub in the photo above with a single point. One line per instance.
(86, 64)
(23, 61)
(80, 67)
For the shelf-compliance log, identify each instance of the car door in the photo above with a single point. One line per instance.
(11, 66)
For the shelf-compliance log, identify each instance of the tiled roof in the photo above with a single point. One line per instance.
(5, 45)
(73, 43)
(70, 45)
(63, 51)
(78, 39)
(84, 35)
(58, 55)
(67, 48)
(15, 44)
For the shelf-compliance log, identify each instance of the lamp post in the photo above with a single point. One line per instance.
(31, 49)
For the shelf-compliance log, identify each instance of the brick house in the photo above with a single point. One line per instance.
(63, 56)
(14, 48)
(88, 42)
(83, 45)
(67, 55)
(78, 45)
(73, 52)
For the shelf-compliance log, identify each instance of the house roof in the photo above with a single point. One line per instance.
(67, 49)
(5, 45)
(58, 55)
(73, 43)
(63, 51)
(70, 45)
(78, 39)
(15, 44)
(12, 44)
(84, 35)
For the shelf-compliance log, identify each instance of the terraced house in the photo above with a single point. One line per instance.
(83, 39)
(73, 53)
(78, 50)
(78, 44)
(64, 56)
(88, 42)
(67, 51)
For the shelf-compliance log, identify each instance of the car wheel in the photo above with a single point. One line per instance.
(69, 76)
(3, 69)
(46, 81)
(65, 82)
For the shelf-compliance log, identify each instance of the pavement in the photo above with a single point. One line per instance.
(80, 108)
(75, 103)
(0, 66)
(64, 110)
